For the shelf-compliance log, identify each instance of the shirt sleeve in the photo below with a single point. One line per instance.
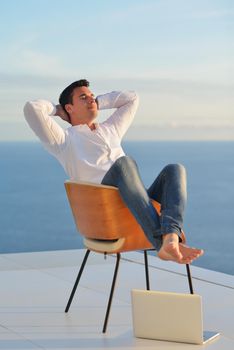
(38, 115)
(126, 103)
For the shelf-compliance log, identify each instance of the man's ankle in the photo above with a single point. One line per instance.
(173, 237)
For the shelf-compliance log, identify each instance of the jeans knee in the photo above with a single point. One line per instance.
(176, 169)
(125, 162)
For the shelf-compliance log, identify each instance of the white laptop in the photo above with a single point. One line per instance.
(169, 316)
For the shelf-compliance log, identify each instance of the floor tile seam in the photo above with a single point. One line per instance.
(81, 285)
(49, 273)
(40, 271)
(136, 262)
(180, 273)
(12, 331)
(228, 337)
(16, 263)
(33, 267)
(29, 309)
(23, 267)
(43, 271)
(154, 264)
(5, 327)
(51, 329)
(196, 273)
(107, 295)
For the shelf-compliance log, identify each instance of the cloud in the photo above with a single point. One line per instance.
(180, 132)
(175, 85)
(19, 131)
(42, 63)
(161, 100)
(215, 14)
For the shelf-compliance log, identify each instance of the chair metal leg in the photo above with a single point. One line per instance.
(77, 280)
(189, 279)
(146, 270)
(111, 293)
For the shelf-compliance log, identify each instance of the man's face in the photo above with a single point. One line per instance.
(83, 109)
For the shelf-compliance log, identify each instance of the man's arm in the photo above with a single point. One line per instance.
(126, 103)
(39, 115)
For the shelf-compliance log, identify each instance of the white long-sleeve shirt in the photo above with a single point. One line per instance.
(85, 154)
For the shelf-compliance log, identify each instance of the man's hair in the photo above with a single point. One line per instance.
(67, 93)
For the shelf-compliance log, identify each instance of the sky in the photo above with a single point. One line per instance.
(177, 54)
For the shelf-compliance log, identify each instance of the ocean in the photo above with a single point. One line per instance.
(35, 215)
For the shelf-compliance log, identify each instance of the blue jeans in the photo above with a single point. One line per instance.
(169, 189)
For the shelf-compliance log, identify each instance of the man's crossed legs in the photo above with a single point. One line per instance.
(169, 189)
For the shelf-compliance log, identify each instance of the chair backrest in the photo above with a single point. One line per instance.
(100, 213)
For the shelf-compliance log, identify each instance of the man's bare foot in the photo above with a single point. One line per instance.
(173, 250)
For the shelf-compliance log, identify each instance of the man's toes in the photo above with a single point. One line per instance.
(195, 255)
(188, 259)
(199, 251)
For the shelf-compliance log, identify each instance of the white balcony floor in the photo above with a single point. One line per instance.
(35, 288)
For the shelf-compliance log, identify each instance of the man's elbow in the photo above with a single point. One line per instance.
(28, 109)
(131, 96)
(135, 98)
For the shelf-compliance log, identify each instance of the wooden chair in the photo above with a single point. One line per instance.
(107, 226)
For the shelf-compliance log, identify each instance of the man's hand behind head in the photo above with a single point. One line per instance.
(62, 114)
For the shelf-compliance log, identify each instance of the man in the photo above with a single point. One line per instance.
(91, 151)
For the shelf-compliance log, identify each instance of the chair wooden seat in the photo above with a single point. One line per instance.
(107, 226)
(100, 213)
